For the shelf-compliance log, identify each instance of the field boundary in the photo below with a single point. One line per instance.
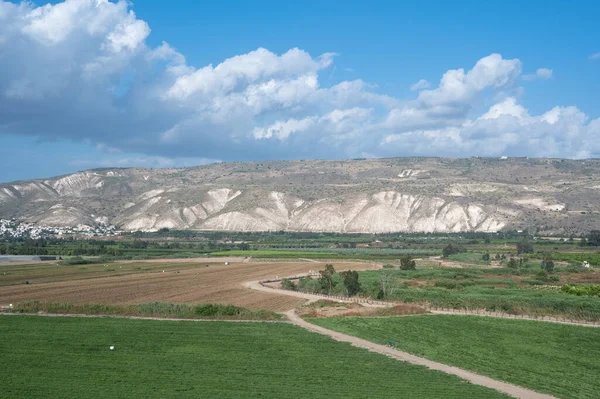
(102, 316)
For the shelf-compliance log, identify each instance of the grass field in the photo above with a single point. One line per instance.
(57, 357)
(552, 358)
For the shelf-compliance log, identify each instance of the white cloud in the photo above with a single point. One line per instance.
(595, 56)
(83, 70)
(541, 73)
(420, 85)
(282, 130)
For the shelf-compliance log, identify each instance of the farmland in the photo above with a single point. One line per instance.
(51, 357)
(558, 359)
(188, 282)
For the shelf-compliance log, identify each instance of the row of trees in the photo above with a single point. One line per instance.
(327, 282)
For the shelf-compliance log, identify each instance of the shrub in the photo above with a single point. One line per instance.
(513, 264)
(288, 285)
(452, 249)
(485, 257)
(407, 263)
(78, 260)
(581, 290)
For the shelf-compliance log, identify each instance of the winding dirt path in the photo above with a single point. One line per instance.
(509, 389)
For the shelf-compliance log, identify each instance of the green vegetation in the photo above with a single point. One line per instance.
(470, 258)
(452, 249)
(547, 263)
(521, 291)
(407, 263)
(577, 258)
(328, 253)
(63, 357)
(524, 247)
(153, 309)
(558, 359)
(581, 290)
(78, 260)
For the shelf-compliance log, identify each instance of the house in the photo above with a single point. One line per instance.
(586, 264)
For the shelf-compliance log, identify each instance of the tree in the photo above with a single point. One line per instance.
(350, 279)
(407, 263)
(487, 240)
(513, 264)
(524, 247)
(583, 242)
(485, 257)
(244, 246)
(547, 263)
(326, 279)
(452, 249)
(386, 279)
(593, 238)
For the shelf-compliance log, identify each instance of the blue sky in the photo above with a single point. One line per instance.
(86, 83)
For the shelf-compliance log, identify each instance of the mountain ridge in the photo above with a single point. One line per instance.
(348, 196)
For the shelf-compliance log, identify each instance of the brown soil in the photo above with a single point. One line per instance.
(218, 283)
(356, 309)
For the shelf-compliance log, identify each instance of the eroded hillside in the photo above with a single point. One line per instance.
(383, 195)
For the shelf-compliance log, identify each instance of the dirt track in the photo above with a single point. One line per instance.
(512, 390)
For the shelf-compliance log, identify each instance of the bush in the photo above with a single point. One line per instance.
(485, 257)
(407, 263)
(512, 264)
(308, 284)
(452, 249)
(581, 290)
(288, 285)
(78, 260)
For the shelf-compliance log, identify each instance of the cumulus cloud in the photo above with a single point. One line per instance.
(83, 70)
(420, 85)
(541, 73)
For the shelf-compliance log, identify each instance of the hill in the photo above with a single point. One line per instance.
(369, 196)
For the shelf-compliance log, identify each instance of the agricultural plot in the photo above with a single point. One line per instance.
(330, 253)
(500, 290)
(45, 272)
(56, 357)
(553, 358)
(189, 283)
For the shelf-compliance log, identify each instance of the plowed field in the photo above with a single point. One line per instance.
(217, 283)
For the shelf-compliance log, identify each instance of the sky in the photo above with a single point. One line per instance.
(97, 83)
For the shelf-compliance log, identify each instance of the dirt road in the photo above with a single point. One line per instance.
(509, 389)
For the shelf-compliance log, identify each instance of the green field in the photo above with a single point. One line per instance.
(328, 253)
(62, 357)
(491, 289)
(552, 358)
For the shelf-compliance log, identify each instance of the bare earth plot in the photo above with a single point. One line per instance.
(217, 283)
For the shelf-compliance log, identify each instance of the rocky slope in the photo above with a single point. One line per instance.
(383, 195)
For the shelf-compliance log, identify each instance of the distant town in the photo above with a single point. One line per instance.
(15, 229)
